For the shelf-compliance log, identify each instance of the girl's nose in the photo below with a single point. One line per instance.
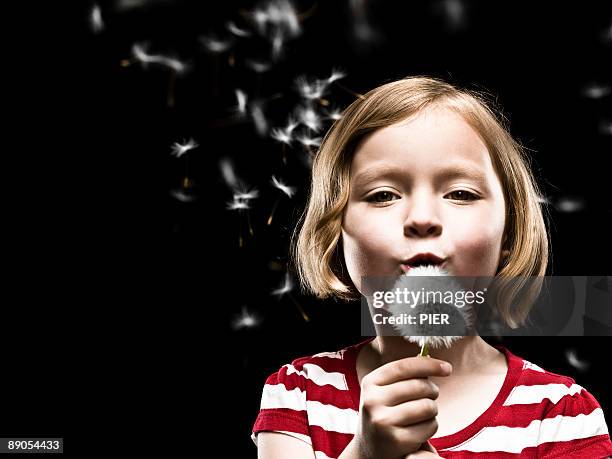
(422, 220)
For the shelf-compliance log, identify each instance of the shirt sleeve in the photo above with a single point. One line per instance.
(574, 427)
(283, 406)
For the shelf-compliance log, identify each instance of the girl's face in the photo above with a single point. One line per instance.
(423, 185)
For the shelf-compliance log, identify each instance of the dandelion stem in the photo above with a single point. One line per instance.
(425, 349)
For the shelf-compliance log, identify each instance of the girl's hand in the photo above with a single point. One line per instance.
(427, 451)
(397, 412)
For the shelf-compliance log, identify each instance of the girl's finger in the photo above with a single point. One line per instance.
(421, 455)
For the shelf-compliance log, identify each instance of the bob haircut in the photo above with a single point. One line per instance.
(316, 246)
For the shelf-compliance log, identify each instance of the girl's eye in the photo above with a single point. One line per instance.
(380, 197)
(463, 194)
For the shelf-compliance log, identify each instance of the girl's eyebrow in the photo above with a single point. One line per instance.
(458, 170)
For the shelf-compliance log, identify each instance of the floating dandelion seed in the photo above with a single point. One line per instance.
(242, 101)
(334, 114)
(277, 15)
(95, 19)
(281, 135)
(285, 290)
(228, 173)
(241, 203)
(179, 150)
(215, 45)
(277, 45)
(258, 66)
(259, 119)
(310, 89)
(570, 204)
(572, 358)
(431, 279)
(233, 28)
(284, 136)
(596, 91)
(335, 76)
(181, 194)
(289, 191)
(245, 319)
(309, 142)
(309, 118)
(140, 54)
(246, 195)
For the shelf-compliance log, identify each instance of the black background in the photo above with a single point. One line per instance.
(122, 297)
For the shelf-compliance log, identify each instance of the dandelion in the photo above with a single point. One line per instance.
(430, 279)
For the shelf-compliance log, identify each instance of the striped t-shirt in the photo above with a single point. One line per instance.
(537, 414)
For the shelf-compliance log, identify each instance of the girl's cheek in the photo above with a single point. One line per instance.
(476, 253)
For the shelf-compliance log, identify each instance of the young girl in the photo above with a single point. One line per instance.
(420, 167)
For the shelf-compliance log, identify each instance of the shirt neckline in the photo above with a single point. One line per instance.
(485, 419)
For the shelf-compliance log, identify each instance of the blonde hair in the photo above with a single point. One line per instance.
(316, 251)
